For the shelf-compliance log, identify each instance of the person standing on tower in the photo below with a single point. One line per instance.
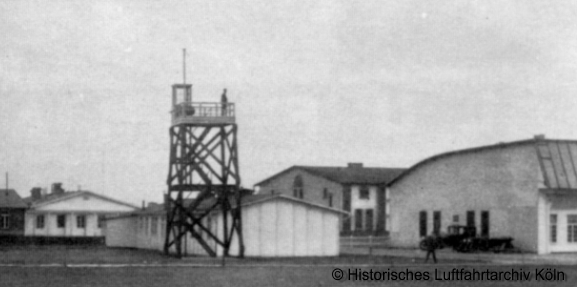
(223, 101)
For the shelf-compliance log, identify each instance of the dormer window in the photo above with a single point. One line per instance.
(298, 187)
(364, 192)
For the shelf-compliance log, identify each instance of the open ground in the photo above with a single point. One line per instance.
(100, 266)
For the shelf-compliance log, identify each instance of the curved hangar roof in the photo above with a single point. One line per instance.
(557, 160)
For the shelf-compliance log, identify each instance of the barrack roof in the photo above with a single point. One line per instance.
(346, 175)
(10, 198)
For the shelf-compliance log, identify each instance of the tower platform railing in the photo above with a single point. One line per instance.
(203, 113)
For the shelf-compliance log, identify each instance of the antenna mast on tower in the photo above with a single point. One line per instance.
(184, 66)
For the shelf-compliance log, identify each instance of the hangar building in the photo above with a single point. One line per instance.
(524, 189)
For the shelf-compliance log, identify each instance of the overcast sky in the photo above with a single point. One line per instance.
(85, 85)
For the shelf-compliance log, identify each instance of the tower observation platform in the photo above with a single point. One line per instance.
(187, 112)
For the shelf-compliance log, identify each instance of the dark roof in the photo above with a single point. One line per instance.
(346, 175)
(10, 198)
(55, 197)
(557, 160)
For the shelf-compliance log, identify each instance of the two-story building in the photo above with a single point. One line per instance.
(359, 191)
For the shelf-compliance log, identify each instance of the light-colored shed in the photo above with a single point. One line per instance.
(272, 226)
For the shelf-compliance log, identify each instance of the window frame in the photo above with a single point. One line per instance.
(553, 221)
(571, 228)
(364, 192)
(437, 222)
(100, 220)
(485, 223)
(423, 222)
(40, 221)
(4, 221)
(61, 221)
(359, 220)
(81, 221)
(369, 219)
(298, 187)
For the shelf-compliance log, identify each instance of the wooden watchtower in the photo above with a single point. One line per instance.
(203, 175)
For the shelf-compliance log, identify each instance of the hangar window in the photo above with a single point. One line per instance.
(553, 226)
(437, 222)
(485, 223)
(471, 218)
(423, 223)
(364, 192)
(572, 228)
(325, 193)
(298, 187)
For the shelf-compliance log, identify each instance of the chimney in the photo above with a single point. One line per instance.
(57, 188)
(36, 193)
(355, 165)
(540, 137)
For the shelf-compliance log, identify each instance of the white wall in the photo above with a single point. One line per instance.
(71, 228)
(275, 228)
(88, 205)
(503, 181)
(363, 203)
(121, 232)
(562, 205)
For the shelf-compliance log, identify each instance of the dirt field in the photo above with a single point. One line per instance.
(61, 266)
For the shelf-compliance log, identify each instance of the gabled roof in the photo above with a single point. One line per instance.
(259, 198)
(9, 198)
(346, 175)
(57, 197)
(557, 160)
(158, 209)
